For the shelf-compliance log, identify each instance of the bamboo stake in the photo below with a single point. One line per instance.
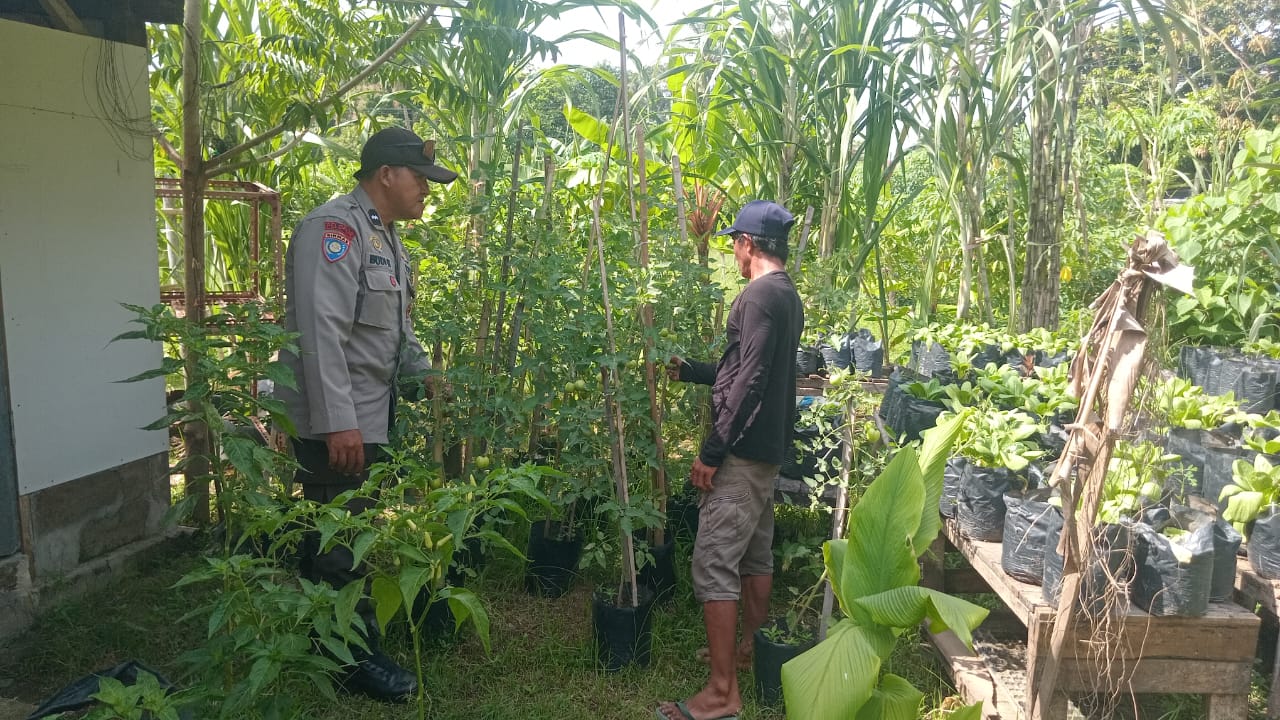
(615, 426)
(837, 516)
(505, 270)
(677, 182)
(657, 472)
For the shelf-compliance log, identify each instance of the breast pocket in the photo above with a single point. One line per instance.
(381, 306)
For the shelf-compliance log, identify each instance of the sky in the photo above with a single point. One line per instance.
(645, 43)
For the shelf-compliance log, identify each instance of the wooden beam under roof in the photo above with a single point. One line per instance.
(63, 16)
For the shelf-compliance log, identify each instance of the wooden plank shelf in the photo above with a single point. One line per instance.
(1210, 655)
(1255, 591)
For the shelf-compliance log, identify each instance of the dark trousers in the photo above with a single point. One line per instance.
(321, 484)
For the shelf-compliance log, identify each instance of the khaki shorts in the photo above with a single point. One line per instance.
(735, 529)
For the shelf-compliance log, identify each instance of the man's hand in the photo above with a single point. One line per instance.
(701, 475)
(673, 367)
(346, 451)
(437, 385)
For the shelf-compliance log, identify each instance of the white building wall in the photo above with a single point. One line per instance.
(77, 237)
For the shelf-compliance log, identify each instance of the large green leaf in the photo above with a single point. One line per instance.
(895, 699)
(833, 552)
(905, 607)
(879, 556)
(934, 451)
(831, 680)
(386, 600)
(465, 604)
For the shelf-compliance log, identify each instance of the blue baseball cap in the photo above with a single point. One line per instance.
(763, 218)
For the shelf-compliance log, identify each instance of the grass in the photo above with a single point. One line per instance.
(542, 665)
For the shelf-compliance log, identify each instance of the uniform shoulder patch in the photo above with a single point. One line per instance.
(336, 240)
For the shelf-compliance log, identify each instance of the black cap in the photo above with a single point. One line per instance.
(397, 146)
(762, 218)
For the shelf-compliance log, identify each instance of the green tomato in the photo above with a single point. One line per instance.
(580, 384)
(482, 461)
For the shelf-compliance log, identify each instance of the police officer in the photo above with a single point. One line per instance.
(349, 292)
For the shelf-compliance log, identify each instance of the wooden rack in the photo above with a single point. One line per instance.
(1210, 655)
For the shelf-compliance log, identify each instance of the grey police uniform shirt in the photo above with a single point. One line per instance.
(348, 293)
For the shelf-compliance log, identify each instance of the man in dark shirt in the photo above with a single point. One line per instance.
(754, 402)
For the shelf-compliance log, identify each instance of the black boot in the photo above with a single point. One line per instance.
(375, 674)
(378, 676)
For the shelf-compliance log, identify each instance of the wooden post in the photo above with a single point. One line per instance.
(196, 433)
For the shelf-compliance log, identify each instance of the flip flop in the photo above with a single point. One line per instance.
(684, 710)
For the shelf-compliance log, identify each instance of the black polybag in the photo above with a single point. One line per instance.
(950, 487)
(931, 361)
(78, 695)
(1218, 470)
(1054, 440)
(1223, 370)
(993, 354)
(623, 635)
(866, 352)
(835, 357)
(1226, 550)
(905, 415)
(1026, 527)
(1189, 445)
(807, 361)
(1264, 544)
(980, 505)
(1112, 558)
(1165, 585)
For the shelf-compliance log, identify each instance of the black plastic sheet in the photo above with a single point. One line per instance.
(1026, 528)
(1174, 575)
(79, 694)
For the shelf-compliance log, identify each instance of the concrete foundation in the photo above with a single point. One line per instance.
(78, 535)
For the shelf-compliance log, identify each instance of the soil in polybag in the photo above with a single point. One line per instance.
(1027, 520)
(1174, 574)
(980, 507)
